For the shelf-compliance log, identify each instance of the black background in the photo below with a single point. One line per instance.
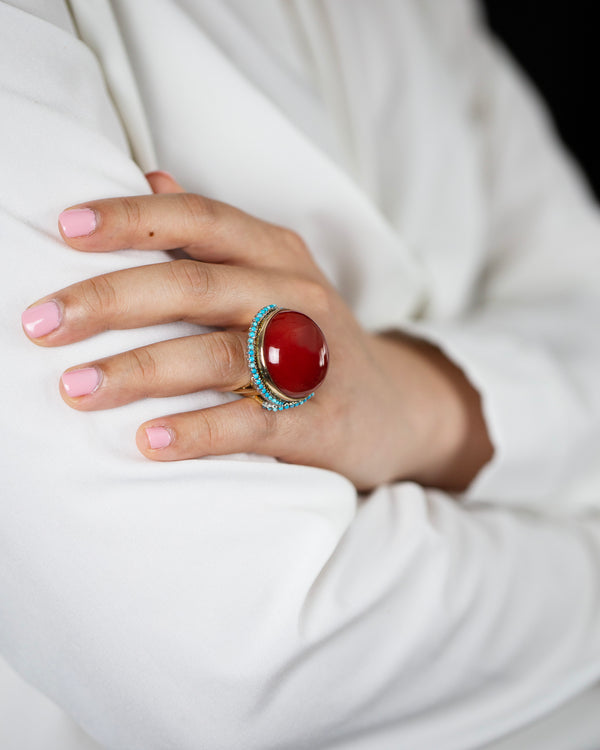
(558, 46)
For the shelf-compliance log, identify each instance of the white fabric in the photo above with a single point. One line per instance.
(243, 603)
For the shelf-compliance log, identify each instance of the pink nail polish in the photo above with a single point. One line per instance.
(78, 222)
(158, 437)
(41, 319)
(81, 382)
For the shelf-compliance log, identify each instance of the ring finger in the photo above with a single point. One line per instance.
(169, 368)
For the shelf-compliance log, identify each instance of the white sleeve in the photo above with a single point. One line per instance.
(530, 343)
(224, 604)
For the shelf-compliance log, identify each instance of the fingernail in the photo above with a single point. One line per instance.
(160, 173)
(81, 382)
(41, 319)
(158, 437)
(77, 222)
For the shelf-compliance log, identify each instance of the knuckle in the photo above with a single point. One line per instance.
(261, 424)
(191, 278)
(268, 425)
(317, 297)
(228, 357)
(208, 432)
(198, 208)
(291, 241)
(144, 367)
(98, 296)
(133, 214)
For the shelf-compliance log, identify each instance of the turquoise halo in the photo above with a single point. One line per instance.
(268, 400)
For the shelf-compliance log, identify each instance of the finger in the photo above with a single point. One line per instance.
(207, 229)
(163, 182)
(170, 368)
(239, 427)
(201, 293)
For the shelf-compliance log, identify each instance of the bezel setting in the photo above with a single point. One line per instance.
(270, 396)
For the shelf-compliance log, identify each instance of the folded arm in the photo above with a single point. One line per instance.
(529, 341)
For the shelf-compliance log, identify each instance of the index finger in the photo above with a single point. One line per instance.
(206, 229)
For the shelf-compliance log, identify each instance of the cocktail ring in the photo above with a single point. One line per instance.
(287, 357)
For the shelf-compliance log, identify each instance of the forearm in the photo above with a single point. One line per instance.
(527, 337)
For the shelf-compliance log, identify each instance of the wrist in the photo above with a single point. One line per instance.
(443, 411)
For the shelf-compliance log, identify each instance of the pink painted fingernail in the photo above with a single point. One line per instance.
(81, 382)
(158, 437)
(41, 319)
(77, 222)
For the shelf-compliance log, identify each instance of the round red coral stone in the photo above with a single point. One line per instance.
(295, 353)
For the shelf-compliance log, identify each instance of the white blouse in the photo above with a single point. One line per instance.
(245, 603)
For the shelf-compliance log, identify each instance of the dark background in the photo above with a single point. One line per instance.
(558, 46)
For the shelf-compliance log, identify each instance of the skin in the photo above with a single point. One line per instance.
(391, 407)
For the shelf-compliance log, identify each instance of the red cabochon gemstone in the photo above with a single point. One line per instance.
(296, 353)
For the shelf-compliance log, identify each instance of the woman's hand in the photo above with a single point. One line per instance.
(390, 407)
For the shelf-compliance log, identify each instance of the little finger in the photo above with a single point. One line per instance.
(239, 427)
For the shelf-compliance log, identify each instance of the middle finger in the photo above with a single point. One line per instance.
(202, 293)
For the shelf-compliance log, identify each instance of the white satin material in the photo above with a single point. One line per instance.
(244, 603)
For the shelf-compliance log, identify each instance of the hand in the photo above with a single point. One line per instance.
(390, 407)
